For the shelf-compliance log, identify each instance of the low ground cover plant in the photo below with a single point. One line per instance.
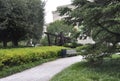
(16, 57)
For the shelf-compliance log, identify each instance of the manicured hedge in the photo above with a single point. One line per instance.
(19, 56)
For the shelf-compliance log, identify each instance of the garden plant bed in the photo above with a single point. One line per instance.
(18, 59)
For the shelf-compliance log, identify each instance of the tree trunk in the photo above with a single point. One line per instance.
(49, 42)
(114, 47)
(61, 41)
(56, 40)
(15, 43)
(4, 43)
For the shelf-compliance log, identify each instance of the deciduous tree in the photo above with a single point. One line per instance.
(20, 19)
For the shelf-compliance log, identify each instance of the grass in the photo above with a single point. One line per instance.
(116, 56)
(83, 71)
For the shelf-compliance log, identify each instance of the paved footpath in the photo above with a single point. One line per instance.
(45, 71)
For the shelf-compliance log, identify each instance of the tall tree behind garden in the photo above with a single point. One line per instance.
(57, 27)
(35, 19)
(19, 19)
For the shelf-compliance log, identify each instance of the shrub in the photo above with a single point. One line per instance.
(82, 49)
(44, 41)
(94, 53)
(19, 56)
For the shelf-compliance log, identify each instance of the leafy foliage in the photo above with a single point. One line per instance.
(44, 41)
(59, 26)
(101, 21)
(19, 56)
(20, 19)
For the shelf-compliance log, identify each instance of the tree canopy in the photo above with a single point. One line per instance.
(101, 21)
(20, 19)
(59, 26)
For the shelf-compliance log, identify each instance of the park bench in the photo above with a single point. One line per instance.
(68, 52)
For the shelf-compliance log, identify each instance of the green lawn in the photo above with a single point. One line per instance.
(108, 71)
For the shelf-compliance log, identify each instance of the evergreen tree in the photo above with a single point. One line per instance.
(101, 21)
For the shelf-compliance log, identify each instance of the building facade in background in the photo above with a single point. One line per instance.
(56, 14)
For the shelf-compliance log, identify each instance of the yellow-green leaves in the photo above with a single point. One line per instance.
(18, 56)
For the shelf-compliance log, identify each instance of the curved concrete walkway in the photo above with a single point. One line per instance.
(45, 71)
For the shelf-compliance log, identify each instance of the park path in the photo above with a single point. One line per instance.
(45, 71)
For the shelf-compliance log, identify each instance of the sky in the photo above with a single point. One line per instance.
(51, 5)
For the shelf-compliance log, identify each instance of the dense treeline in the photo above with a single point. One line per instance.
(20, 20)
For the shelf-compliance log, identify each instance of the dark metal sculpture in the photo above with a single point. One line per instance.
(60, 39)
